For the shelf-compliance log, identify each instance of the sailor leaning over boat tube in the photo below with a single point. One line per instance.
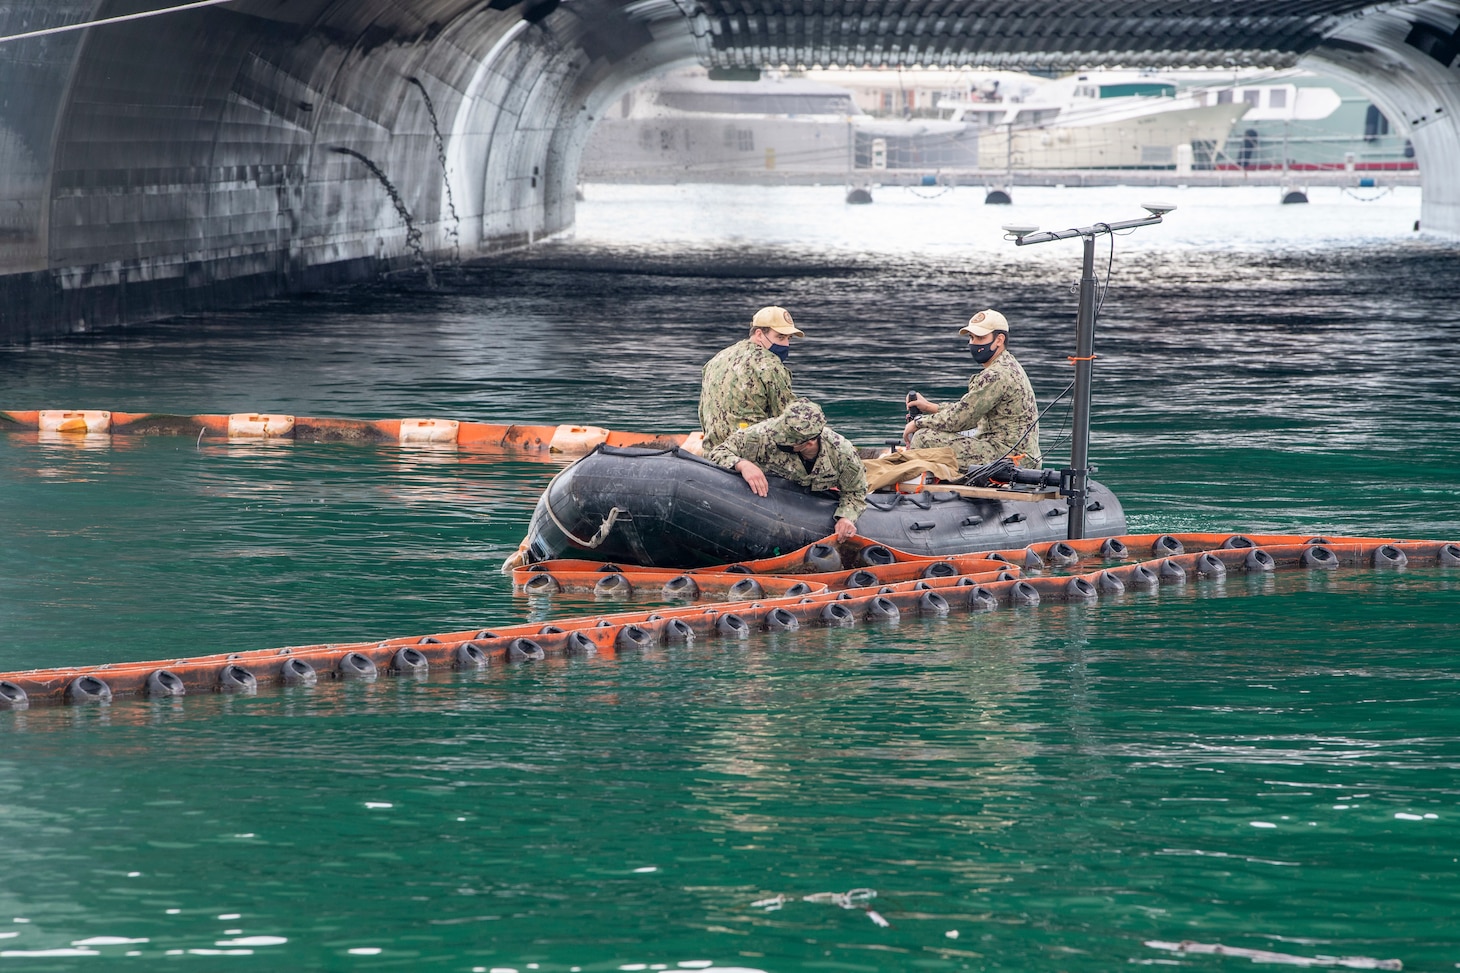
(749, 382)
(998, 415)
(799, 446)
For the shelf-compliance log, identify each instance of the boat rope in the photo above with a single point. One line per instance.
(613, 515)
(597, 538)
(1367, 199)
(139, 15)
(914, 190)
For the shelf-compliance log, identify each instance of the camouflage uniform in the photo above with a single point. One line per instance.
(999, 404)
(837, 464)
(743, 384)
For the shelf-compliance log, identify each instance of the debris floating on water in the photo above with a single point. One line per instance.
(1289, 959)
(852, 899)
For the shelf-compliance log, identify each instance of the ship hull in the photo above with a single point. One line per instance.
(1139, 137)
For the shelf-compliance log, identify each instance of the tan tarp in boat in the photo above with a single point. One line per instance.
(909, 463)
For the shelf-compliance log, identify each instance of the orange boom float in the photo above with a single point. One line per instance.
(854, 582)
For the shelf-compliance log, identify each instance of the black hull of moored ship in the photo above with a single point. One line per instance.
(678, 510)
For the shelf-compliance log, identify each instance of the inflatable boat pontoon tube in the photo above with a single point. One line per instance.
(671, 508)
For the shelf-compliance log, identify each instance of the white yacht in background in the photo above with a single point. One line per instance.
(854, 123)
(686, 124)
(1095, 120)
(1297, 121)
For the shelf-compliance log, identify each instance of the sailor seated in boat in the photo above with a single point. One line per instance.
(998, 415)
(749, 381)
(799, 446)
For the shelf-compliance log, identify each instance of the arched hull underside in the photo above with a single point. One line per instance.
(236, 152)
(677, 510)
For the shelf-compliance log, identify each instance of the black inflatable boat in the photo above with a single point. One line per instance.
(670, 508)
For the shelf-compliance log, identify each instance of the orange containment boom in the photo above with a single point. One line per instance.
(826, 583)
(568, 439)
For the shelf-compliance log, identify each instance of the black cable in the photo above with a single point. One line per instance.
(983, 470)
(1099, 303)
(1064, 430)
(975, 473)
(978, 471)
(1109, 269)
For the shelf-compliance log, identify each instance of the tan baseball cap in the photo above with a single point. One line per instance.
(778, 319)
(985, 323)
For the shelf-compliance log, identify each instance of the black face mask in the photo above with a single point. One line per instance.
(792, 447)
(780, 351)
(982, 353)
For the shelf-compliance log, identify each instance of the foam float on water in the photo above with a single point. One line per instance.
(567, 439)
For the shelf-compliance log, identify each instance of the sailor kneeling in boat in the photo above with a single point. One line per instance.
(997, 417)
(799, 446)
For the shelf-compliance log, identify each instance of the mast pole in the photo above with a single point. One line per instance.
(1075, 480)
(1084, 361)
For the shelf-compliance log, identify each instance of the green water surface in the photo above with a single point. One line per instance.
(1264, 763)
